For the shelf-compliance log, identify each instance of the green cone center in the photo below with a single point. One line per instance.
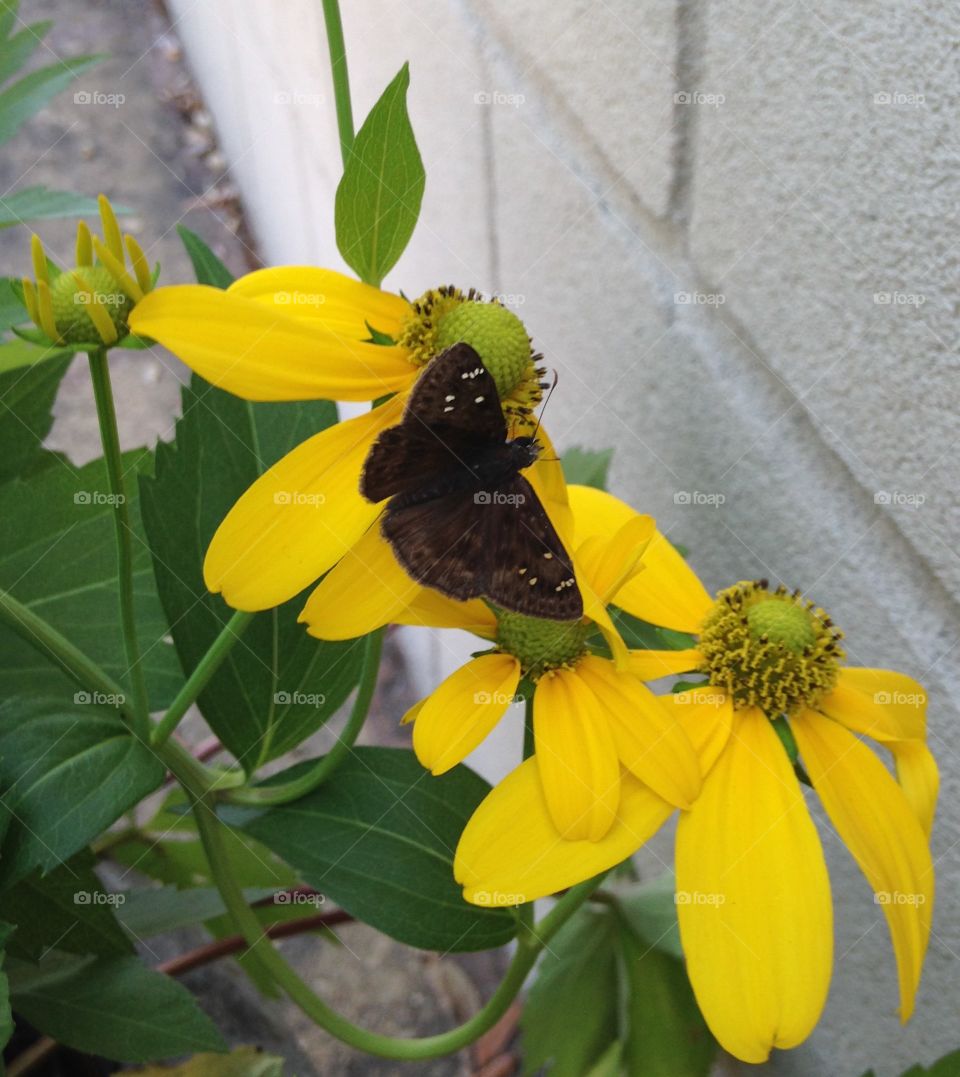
(772, 650)
(540, 645)
(71, 303)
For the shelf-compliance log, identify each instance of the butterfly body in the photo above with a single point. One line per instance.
(461, 518)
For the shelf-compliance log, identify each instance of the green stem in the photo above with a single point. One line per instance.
(107, 415)
(529, 945)
(341, 78)
(200, 677)
(283, 793)
(529, 744)
(44, 638)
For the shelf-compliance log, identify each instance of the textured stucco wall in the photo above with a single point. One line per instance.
(732, 230)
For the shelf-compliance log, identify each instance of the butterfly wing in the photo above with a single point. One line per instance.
(528, 569)
(452, 415)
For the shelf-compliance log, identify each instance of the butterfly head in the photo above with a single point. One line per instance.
(523, 452)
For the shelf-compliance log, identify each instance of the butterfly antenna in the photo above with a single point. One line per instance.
(546, 401)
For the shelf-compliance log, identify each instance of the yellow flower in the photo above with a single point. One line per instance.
(753, 894)
(596, 725)
(90, 304)
(301, 333)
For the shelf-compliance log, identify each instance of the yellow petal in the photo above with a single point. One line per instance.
(246, 347)
(577, 756)
(413, 713)
(652, 665)
(299, 518)
(753, 898)
(365, 590)
(510, 852)
(667, 592)
(878, 826)
(881, 703)
(919, 778)
(434, 610)
(706, 716)
(324, 294)
(649, 741)
(458, 715)
(608, 563)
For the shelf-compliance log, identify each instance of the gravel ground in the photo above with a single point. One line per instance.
(155, 152)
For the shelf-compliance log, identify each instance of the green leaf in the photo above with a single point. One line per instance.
(278, 685)
(16, 50)
(26, 411)
(148, 912)
(242, 1062)
(67, 909)
(12, 310)
(28, 95)
(8, 16)
(570, 1017)
(650, 909)
(378, 198)
(57, 557)
(587, 467)
(666, 1036)
(40, 203)
(639, 634)
(206, 265)
(6, 1016)
(67, 773)
(115, 1007)
(378, 839)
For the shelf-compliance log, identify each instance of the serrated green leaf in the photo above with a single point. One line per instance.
(378, 839)
(42, 203)
(206, 265)
(66, 909)
(643, 636)
(570, 1017)
(587, 467)
(28, 95)
(279, 685)
(115, 1007)
(149, 912)
(67, 773)
(16, 50)
(26, 410)
(57, 557)
(650, 909)
(378, 198)
(665, 1035)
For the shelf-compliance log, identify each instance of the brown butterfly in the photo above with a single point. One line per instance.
(461, 518)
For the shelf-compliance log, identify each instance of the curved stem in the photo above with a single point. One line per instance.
(200, 677)
(264, 795)
(107, 415)
(529, 945)
(341, 78)
(43, 637)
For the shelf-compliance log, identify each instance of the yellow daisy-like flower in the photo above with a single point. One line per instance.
(302, 333)
(597, 728)
(753, 893)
